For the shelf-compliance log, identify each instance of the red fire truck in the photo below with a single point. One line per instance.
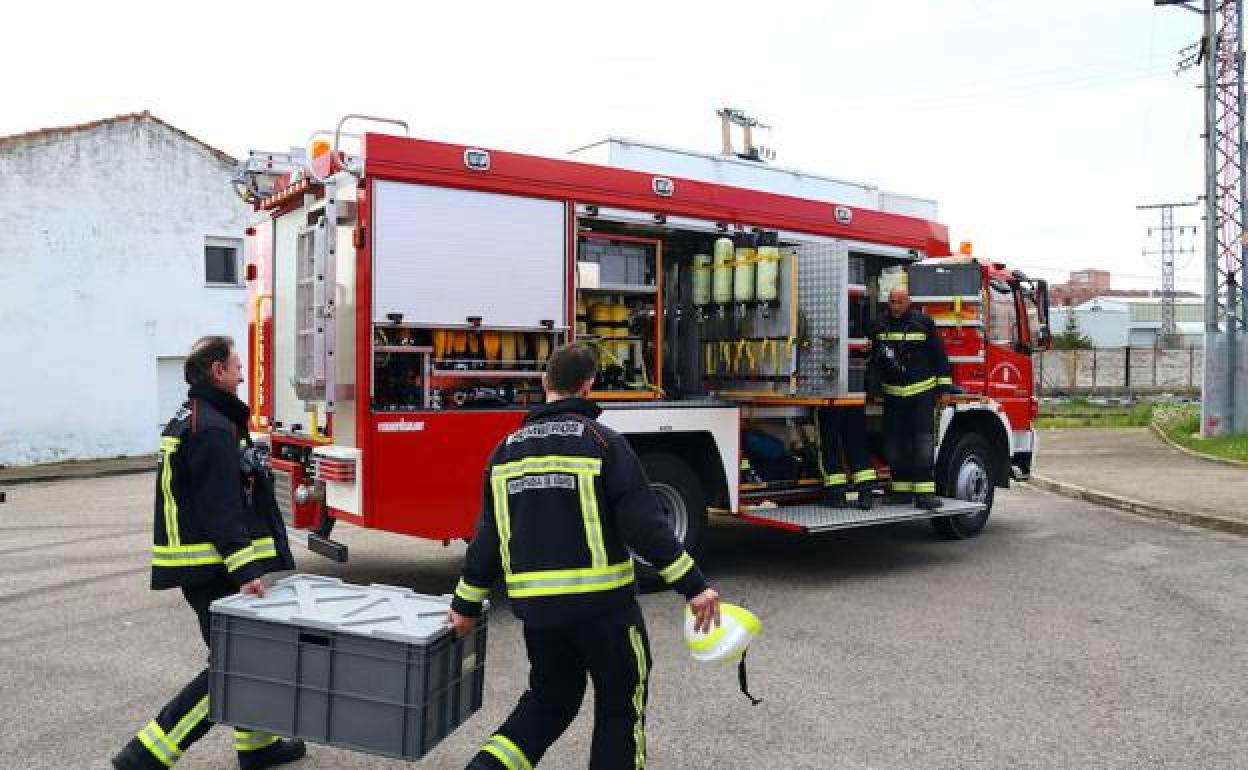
(406, 294)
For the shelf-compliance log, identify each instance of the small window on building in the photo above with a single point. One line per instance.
(221, 261)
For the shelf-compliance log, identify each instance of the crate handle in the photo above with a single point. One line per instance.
(314, 639)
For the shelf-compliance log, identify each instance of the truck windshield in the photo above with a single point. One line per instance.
(1003, 317)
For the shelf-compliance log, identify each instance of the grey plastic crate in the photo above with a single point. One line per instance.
(369, 668)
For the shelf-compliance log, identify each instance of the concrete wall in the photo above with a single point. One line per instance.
(103, 273)
(1064, 372)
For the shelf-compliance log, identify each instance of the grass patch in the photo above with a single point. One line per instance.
(1080, 413)
(1182, 425)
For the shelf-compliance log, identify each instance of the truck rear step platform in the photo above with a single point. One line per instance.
(823, 518)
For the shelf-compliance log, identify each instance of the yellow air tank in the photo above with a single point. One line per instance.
(702, 279)
(722, 277)
(541, 349)
(743, 278)
(507, 349)
(582, 316)
(768, 275)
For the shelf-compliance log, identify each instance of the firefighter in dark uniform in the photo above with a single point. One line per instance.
(843, 456)
(913, 369)
(217, 530)
(565, 499)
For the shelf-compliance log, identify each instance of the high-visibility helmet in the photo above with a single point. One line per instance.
(727, 643)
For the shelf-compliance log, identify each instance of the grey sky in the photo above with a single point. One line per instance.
(1038, 125)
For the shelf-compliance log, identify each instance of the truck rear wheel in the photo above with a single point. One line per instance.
(682, 500)
(969, 475)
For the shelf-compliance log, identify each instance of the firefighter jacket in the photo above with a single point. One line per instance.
(565, 499)
(216, 514)
(908, 355)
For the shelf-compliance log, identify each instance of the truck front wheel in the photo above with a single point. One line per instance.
(968, 475)
(682, 500)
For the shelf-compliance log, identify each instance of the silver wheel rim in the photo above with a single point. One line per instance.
(675, 513)
(972, 482)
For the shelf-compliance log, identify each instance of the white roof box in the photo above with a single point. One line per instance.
(752, 175)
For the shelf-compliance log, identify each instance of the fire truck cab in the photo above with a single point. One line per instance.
(407, 293)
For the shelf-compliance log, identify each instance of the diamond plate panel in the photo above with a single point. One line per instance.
(822, 518)
(822, 272)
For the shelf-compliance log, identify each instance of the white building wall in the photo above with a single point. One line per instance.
(102, 264)
(1107, 324)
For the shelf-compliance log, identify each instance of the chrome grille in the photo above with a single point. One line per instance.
(285, 495)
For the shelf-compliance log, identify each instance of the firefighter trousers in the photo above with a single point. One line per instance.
(843, 456)
(184, 720)
(615, 653)
(910, 440)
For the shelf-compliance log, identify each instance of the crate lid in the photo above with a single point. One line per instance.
(378, 611)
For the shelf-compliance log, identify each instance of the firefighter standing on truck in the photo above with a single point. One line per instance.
(217, 530)
(565, 499)
(912, 367)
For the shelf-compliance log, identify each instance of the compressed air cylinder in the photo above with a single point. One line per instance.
(507, 349)
(582, 316)
(743, 277)
(600, 319)
(722, 277)
(768, 273)
(701, 279)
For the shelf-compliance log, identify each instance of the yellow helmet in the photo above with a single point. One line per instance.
(727, 643)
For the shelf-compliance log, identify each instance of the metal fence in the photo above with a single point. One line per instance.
(1119, 371)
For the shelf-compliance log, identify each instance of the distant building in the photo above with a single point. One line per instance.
(1083, 285)
(1115, 322)
(123, 243)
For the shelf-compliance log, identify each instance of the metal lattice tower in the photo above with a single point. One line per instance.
(1221, 52)
(1168, 336)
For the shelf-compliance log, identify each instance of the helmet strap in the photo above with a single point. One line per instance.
(743, 678)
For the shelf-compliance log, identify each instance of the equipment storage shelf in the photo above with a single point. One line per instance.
(619, 307)
(368, 668)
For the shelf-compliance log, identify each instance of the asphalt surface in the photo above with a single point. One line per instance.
(1066, 636)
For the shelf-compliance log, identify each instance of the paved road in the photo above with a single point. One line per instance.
(1067, 636)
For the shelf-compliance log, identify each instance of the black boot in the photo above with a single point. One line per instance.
(835, 498)
(287, 750)
(866, 496)
(900, 498)
(927, 502)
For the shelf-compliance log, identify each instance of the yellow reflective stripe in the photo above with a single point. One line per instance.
(249, 740)
(159, 744)
(835, 480)
(591, 520)
(242, 556)
(639, 700)
(508, 753)
(944, 380)
(502, 520)
(677, 569)
(867, 475)
(470, 593)
(903, 486)
(189, 722)
(198, 554)
(169, 445)
(560, 582)
(925, 487)
(903, 336)
(547, 463)
(913, 389)
(185, 555)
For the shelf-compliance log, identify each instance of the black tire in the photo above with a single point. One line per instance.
(683, 501)
(969, 474)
